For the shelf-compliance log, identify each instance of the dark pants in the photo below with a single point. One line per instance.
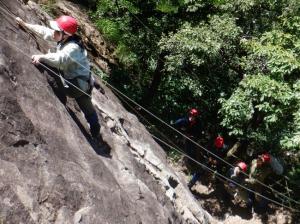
(191, 150)
(83, 100)
(196, 176)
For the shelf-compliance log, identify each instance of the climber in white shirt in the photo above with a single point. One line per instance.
(70, 59)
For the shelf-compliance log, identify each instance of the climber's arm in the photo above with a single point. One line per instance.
(42, 31)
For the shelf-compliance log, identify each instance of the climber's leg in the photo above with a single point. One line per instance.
(85, 104)
(195, 178)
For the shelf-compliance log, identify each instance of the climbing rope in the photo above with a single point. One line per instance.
(193, 73)
(226, 178)
(186, 137)
(180, 151)
(9, 12)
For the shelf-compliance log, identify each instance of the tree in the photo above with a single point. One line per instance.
(235, 60)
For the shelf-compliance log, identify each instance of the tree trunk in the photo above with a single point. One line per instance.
(157, 77)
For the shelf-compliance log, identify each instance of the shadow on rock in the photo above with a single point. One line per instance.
(99, 146)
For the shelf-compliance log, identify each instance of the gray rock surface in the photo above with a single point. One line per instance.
(49, 170)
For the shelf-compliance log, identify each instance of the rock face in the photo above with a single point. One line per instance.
(49, 171)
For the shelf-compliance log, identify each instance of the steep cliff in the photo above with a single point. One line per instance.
(49, 170)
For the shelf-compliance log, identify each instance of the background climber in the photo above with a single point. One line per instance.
(260, 169)
(219, 148)
(190, 126)
(238, 193)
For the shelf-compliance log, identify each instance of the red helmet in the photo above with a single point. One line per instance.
(65, 23)
(242, 166)
(219, 142)
(266, 157)
(193, 112)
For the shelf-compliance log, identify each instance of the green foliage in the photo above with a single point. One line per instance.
(168, 6)
(177, 93)
(49, 7)
(203, 56)
(194, 5)
(294, 175)
(199, 45)
(291, 141)
(125, 56)
(275, 53)
(236, 60)
(109, 29)
(257, 108)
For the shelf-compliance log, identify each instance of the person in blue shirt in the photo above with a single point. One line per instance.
(190, 126)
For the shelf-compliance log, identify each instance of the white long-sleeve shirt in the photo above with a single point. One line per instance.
(69, 58)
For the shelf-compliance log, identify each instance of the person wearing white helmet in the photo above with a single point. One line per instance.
(70, 60)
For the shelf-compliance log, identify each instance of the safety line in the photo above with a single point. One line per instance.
(273, 190)
(202, 165)
(208, 168)
(137, 105)
(290, 199)
(112, 87)
(230, 180)
(148, 122)
(191, 72)
(45, 66)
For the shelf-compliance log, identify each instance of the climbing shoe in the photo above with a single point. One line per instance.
(93, 121)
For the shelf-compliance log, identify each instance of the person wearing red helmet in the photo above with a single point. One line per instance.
(242, 166)
(190, 126)
(189, 122)
(236, 174)
(67, 24)
(71, 62)
(260, 169)
(193, 112)
(219, 148)
(219, 142)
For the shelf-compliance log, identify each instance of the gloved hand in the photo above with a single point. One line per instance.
(20, 22)
(36, 59)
